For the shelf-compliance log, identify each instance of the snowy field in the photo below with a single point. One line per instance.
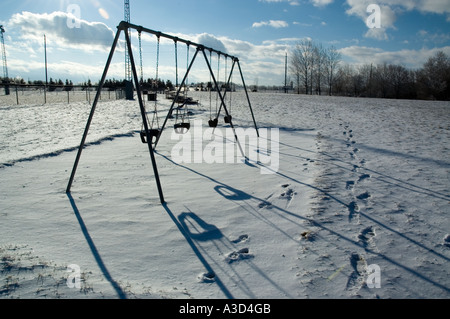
(358, 206)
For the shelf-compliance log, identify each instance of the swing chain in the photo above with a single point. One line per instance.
(183, 126)
(153, 132)
(176, 62)
(140, 57)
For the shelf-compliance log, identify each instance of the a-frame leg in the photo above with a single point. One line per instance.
(94, 105)
(222, 101)
(248, 98)
(144, 119)
(91, 115)
(236, 61)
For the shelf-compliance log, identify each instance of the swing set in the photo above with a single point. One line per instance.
(151, 130)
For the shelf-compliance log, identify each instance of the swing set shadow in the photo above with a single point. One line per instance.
(150, 135)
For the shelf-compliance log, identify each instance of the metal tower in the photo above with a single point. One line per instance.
(128, 75)
(5, 65)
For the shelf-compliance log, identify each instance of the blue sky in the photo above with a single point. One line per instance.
(259, 32)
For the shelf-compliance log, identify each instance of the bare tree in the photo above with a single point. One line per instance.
(434, 78)
(295, 68)
(399, 77)
(301, 63)
(320, 57)
(382, 77)
(344, 80)
(331, 62)
(314, 66)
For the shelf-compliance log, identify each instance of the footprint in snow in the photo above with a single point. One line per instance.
(238, 255)
(289, 194)
(363, 177)
(264, 204)
(206, 277)
(240, 239)
(447, 240)
(349, 185)
(364, 196)
(366, 237)
(357, 278)
(353, 210)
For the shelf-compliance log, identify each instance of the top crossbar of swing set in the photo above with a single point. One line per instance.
(126, 25)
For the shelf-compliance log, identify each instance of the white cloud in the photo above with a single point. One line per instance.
(434, 6)
(391, 8)
(263, 61)
(272, 23)
(321, 3)
(378, 34)
(80, 34)
(410, 58)
(284, 40)
(65, 68)
(359, 8)
(424, 6)
(211, 41)
(303, 24)
(435, 38)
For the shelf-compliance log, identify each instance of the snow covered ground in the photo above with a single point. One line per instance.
(361, 194)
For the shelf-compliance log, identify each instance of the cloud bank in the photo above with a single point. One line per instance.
(390, 9)
(62, 28)
(271, 23)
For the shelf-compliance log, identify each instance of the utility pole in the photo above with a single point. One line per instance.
(285, 74)
(46, 73)
(5, 65)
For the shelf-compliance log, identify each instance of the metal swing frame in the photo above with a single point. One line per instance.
(125, 28)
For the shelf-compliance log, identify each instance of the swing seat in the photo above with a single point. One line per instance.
(213, 123)
(227, 118)
(182, 128)
(152, 132)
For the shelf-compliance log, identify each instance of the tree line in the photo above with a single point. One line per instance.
(68, 85)
(319, 70)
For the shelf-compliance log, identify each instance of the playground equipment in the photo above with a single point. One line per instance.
(149, 134)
